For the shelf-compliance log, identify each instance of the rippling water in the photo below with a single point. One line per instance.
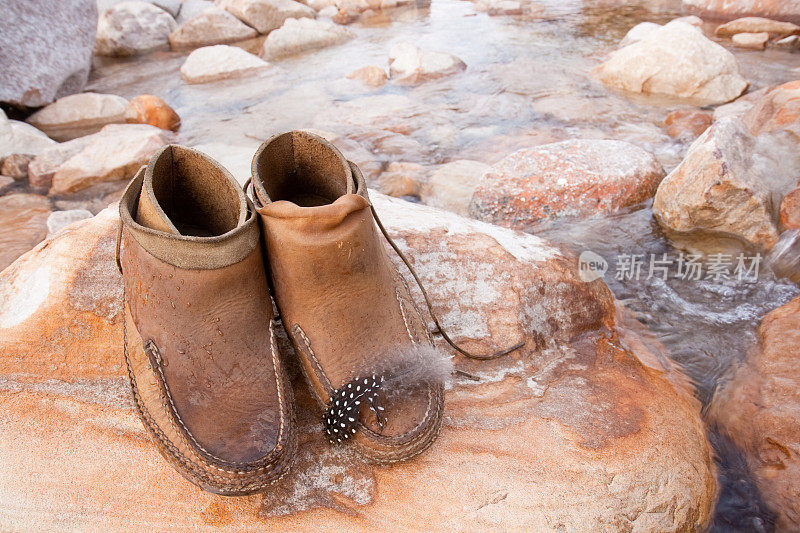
(527, 83)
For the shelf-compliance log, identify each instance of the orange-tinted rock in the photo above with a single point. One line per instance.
(60, 306)
(790, 210)
(687, 123)
(16, 166)
(23, 224)
(778, 109)
(758, 409)
(401, 179)
(758, 25)
(572, 178)
(370, 75)
(788, 10)
(545, 440)
(152, 110)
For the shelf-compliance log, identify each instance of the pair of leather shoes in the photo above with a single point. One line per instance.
(202, 263)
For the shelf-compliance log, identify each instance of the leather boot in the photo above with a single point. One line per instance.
(363, 346)
(200, 346)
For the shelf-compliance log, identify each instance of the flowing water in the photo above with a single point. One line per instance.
(527, 83)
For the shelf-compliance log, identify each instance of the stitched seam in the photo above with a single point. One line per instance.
(403, 313)
(323, 377)
(173, 414)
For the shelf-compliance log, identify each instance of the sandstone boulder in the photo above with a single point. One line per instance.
(788, 10)
(451, 185)
(6, 183)
(45, 49)
(220, 62)
(131, 28)
(266, 15)
(757, 25)
(152, 110)
(410, 64)
(723, 196)
(675, 60)
(572, 178)
(23, 224)
(79, 114)
(212, 26)
(790, 43)
(300, 35)
(758, 409)
(21, 138)
(545, 440)
(751, 41)
(776, 111)
(114, 153)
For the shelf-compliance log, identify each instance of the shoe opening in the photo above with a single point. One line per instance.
(301, 168)
(194, 194)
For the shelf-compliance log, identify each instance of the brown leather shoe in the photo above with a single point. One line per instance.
(200, 341)
(358, 334)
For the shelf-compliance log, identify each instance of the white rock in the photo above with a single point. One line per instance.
(789, 43)
(300, 35)
(21, 138)
(79, 114)
(694, 20)
(58, 220)
(212, 26)
(45, 49)
(675, 60)
(131, 28)
(220, 62)
(409, 63)
(266, 15)
(752, 41)
(638, 32)
(451, 185)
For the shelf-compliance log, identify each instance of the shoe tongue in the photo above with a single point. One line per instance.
(186, 193)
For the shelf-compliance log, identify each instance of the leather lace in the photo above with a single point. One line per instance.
(428, 303)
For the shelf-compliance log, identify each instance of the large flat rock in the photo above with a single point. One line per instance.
(572, 432)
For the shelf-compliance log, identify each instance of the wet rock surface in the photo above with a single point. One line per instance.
(758, 409)
(410, 64)
(719, 200)
(757, 25)
(451, 185)
(45, 49)
(675, 60)
(567, 179)
(687, 123)
(543, 440)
